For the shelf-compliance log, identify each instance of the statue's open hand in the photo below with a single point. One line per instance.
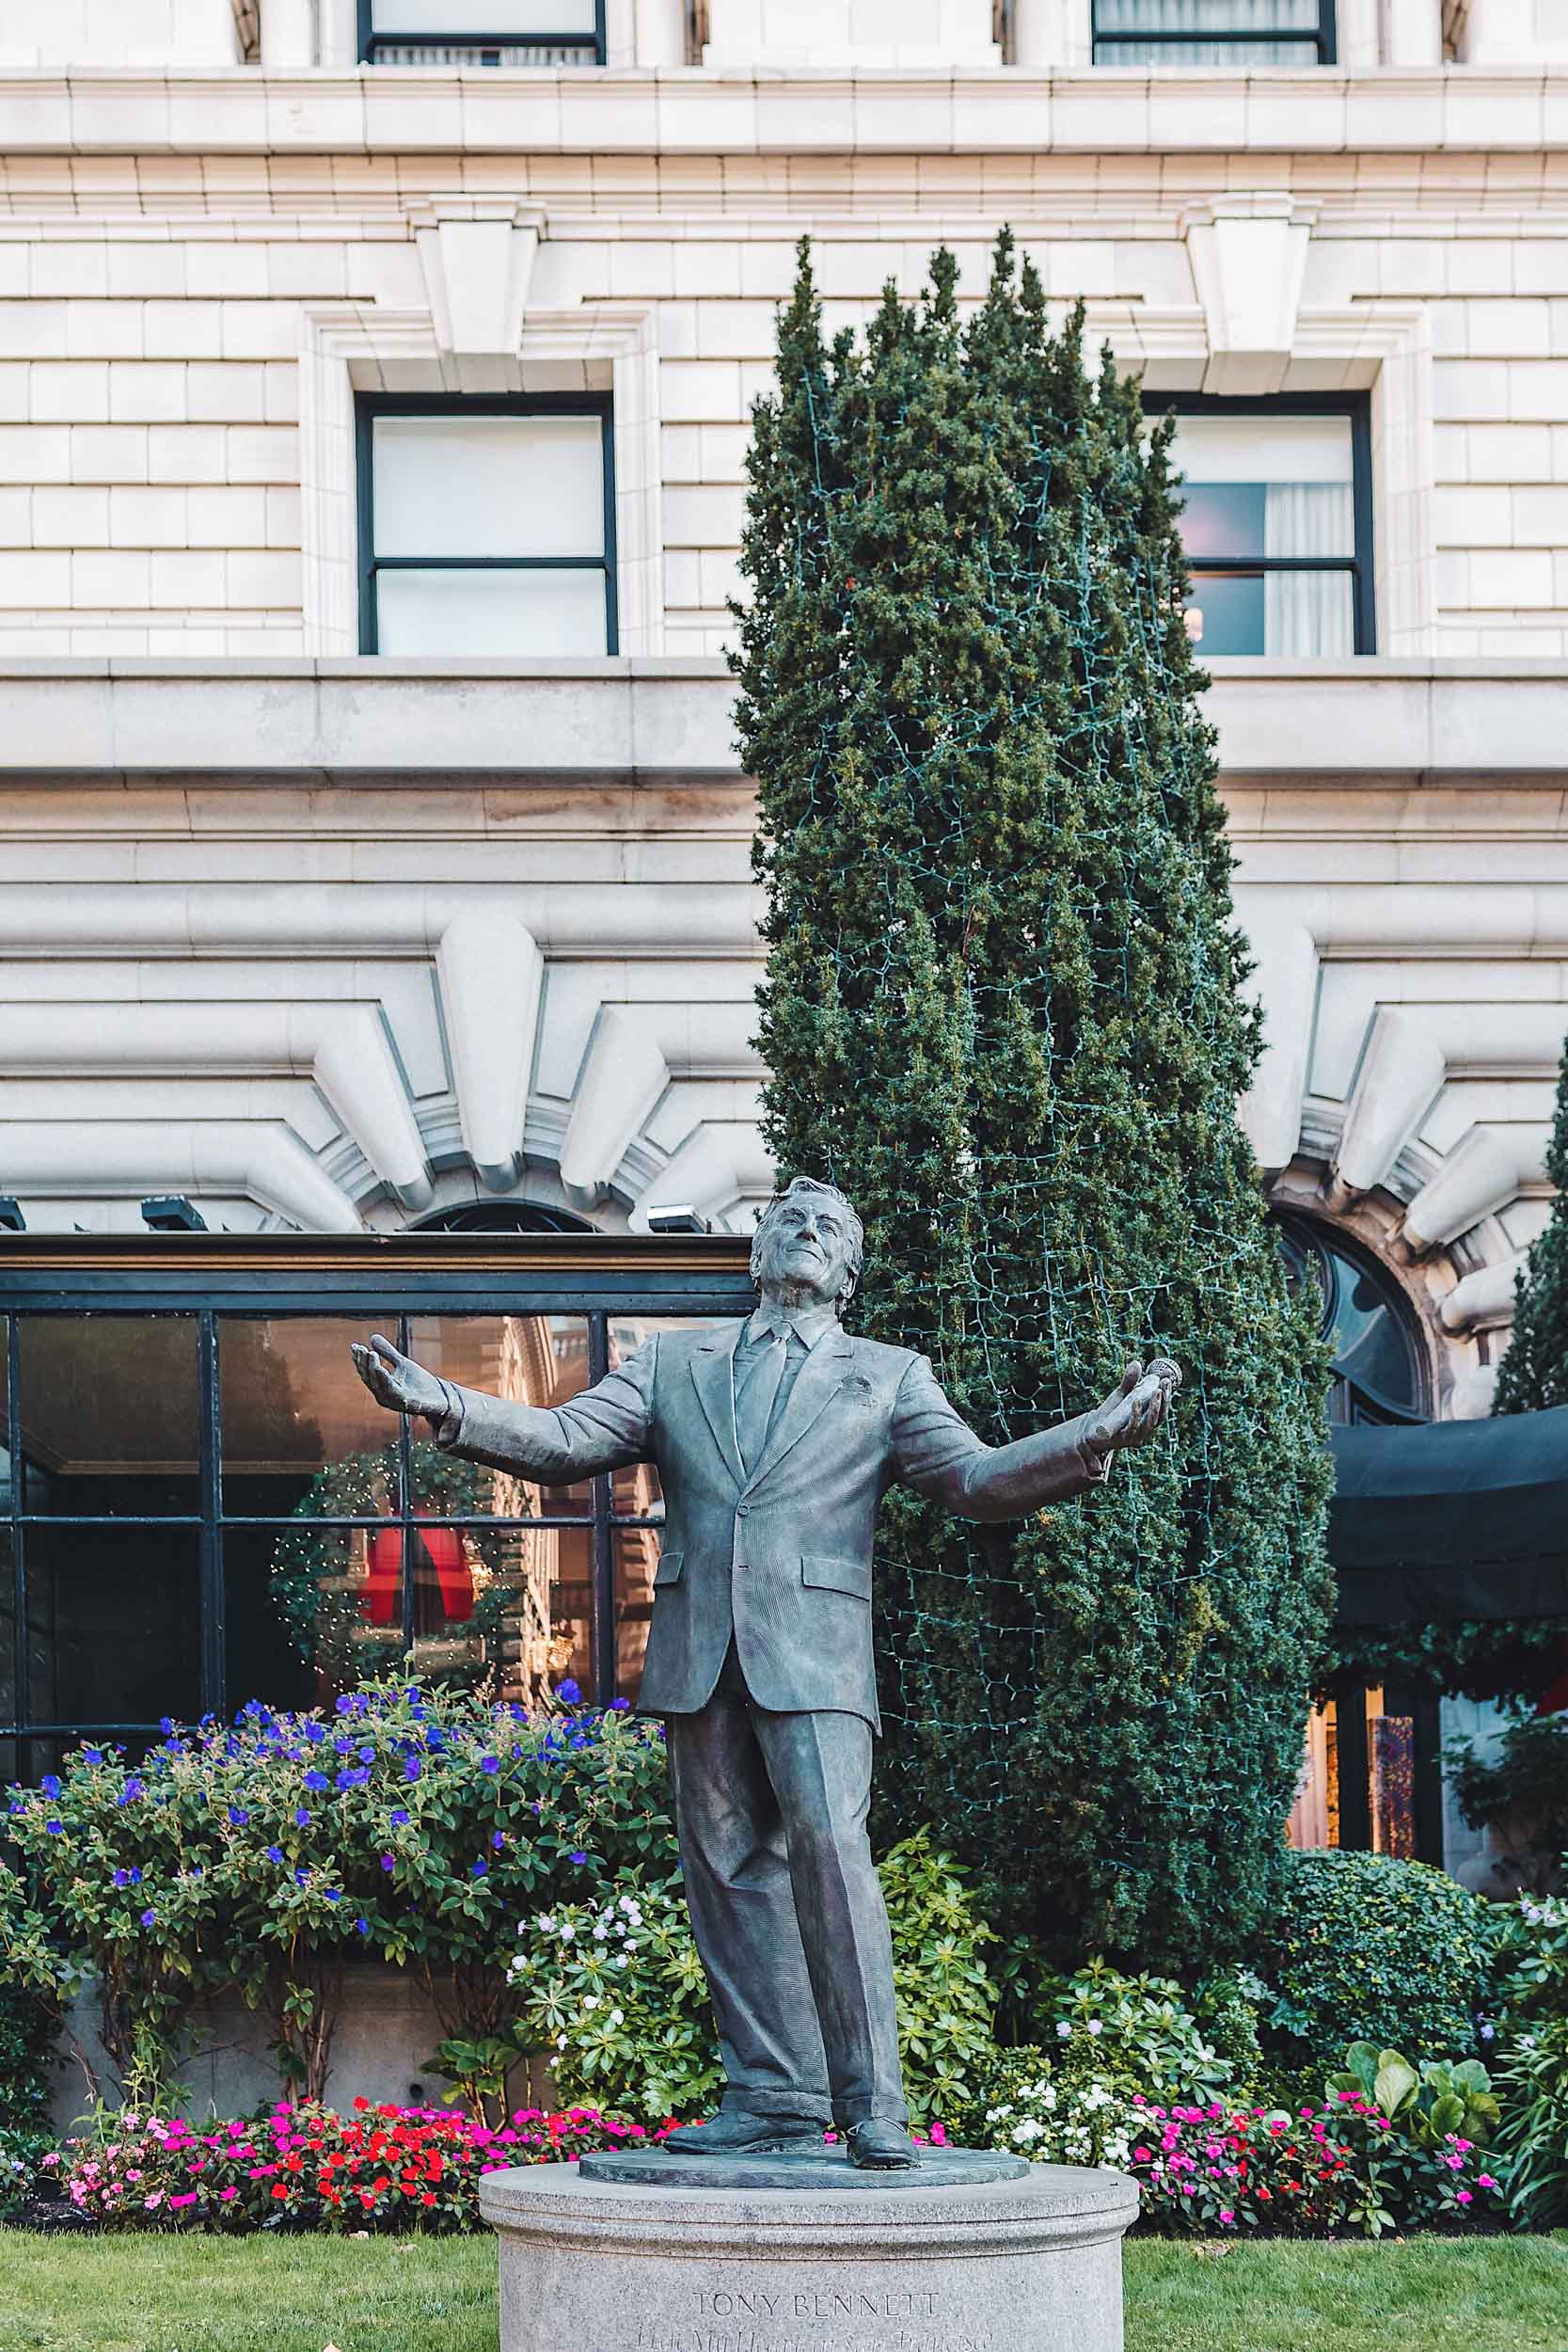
(1134, 1411)
(397, 1381)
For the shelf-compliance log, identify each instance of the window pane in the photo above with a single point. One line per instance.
(1277, 613)
(501, 1609)
(109, 1414)
(1254, 28)
(300, 1430)
(114, 1632)
(489, 486)
(451, 17)
(1283, 484)
(310, 1611)
(483, 616)
(637, 1492)
(636, 1558)
(528, 1359)
(10, 1697)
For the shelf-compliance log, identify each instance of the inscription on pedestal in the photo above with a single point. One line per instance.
(818, 2319)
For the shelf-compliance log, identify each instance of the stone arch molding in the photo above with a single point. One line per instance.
(625, 1132)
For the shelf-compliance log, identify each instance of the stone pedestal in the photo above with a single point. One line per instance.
(873, 2263)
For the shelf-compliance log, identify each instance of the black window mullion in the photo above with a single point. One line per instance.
(24, 1664)
(601, 1604)
(214, 1615)
(406, 1507)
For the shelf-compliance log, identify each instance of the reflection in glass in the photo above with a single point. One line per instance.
(113, 1623)
(501, 1611)
(1276, 485)
(296, 1629)
(300, 1430)
(528, 1359)
(636, 1492)
(109, 1414)
(1393, 1771)
(636, 1558)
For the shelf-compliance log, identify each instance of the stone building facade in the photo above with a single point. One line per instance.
(374, 379)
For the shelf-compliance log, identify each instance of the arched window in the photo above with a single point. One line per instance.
(503, 1216)
(1378, 1369)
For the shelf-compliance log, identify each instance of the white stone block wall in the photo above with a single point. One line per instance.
(100, 33)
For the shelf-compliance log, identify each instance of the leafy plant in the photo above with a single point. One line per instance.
(1533, 2072)
(1139, 2029)
(1364, 1948)
(1433, 2102)
(946, 1994)
(1027, 2104)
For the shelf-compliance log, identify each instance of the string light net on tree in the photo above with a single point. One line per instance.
(1002, 1009)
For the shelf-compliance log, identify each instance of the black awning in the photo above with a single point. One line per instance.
(1458, 1519)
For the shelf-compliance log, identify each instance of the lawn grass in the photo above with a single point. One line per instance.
(391, 2295)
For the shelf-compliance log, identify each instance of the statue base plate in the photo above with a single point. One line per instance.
(824, 2168)
(865, 2265)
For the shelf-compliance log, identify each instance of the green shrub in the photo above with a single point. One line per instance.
(1032, 2104)
(28, 2029)
(1365, 1948)
(1532, 2078)
(614, 1999)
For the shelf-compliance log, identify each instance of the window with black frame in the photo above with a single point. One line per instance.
(1223, 33)
(487, 526)
(201, 1504)
(1276, 523)
(493, 33)
(1378, 1375)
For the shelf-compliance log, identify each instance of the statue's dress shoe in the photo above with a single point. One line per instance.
(878, 2147)
(740, 2132)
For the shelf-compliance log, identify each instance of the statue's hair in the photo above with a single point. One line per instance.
(857, 1231)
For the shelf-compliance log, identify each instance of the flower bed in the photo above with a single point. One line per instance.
(382, 2168)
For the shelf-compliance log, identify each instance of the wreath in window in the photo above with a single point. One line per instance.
(339, 1590)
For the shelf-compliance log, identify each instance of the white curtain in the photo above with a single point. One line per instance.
(1257, 19)
(1309, 613)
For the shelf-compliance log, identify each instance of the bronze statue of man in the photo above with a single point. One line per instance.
(775, 1439)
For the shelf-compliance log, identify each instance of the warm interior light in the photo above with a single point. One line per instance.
(1194, 618)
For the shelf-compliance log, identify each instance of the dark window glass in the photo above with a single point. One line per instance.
(1362, 1315)
(114, 1624)
(9, 1692)
(110, 1416)
(300, 1430)
(1226, 33)
(310, 1611)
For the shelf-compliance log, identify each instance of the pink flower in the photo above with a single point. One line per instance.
(1227, 2216)
(226, 2194)
(1487, 2182)
(1461, 2197)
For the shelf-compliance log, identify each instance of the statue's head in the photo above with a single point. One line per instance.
(808, 1248)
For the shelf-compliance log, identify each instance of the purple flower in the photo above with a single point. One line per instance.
(54, 1829)
(343, 1704)
(49, 1784)
(334, 1894)
(362, 1927)
(149, 1919)
(388, 1862)
(568, 1692)
(400, 1818)
(302, 1817)
(300, 1877)
(237, 1814)
(577, 1855)
(498, 1839)
(94, 1756)
(274, 1854)
(412, 1768)
(317, 1780)
(619, 1706)
(344, 1747)
(366, 1756)
(478, 1869)
(132, 1789)
(490, 1763)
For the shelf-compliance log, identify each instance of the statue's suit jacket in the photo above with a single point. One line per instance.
(780, 1558)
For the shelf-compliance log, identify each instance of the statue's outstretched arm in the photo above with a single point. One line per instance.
(938, 1455)
(606, 1429)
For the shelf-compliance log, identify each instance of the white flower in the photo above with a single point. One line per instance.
(560, 2041)
(1062, 2028)
(622, 1961)
(1096, 2024)
(601, 1934)
(545, 1923)
(617, 2017)
(567, 1931)
(590, 2000)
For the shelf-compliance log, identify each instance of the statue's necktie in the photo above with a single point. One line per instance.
(757, 1395)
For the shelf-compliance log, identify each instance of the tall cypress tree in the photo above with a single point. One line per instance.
(1003, 1010)
(1534, 1372)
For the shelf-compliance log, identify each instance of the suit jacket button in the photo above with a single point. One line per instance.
(741, 1510)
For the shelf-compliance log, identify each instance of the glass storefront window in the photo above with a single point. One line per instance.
(212, 1509)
